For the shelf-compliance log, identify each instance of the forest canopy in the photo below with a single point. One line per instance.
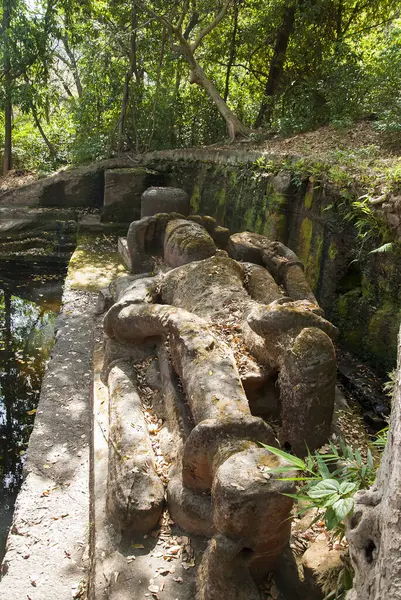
(87, 79)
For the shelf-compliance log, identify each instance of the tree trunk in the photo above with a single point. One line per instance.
(48, 143)
(156, 96)
(374, 532)
(234, 126)
(277, 64)
(128, 77)
(73, 65)
(8, 109)
(231, 58)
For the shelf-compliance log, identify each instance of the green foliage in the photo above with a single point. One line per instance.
(330, 481)
(71, 60)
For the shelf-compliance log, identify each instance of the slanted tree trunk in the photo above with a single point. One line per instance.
(198, 76)
(8, 108)
(128, 77)
(46, 140)
(374, 530)
(277, 64)
(72, 64)
(234, 126)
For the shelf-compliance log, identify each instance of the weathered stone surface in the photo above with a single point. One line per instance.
(247, 247)
(307, 390)
(135, 494)
(195, 353)
(224, 572)
(260, 284)
(122, 192)
(320, 563)
(257, 517)
(294, 338)
(164, 200)
(124, 252)
(220, 235)
(287, 269)
(213, 437)
(192, 511)
(186, 242)
(138, 233)
(52, 509)
(104, 301)
(205, 287)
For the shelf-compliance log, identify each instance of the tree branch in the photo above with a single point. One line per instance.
(211, 25)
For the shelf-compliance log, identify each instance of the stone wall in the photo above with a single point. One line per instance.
(244, 190)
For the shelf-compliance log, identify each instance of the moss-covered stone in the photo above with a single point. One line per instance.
(95, 263)
(308, 201)
(333, 251)
(195, 199)
(305, 239)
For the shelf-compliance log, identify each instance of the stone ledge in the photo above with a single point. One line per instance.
(47, 546)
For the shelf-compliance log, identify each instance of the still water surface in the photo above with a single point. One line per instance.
(28, 308)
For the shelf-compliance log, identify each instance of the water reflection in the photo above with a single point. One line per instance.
(28, 308)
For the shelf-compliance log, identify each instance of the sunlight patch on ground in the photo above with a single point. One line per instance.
(95, 263)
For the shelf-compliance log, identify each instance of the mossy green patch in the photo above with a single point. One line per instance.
(383, 328)
(313, 262)
(305, 239)
(95, 263)
(195, 199)
(308, 200)
(221, 205)
(333, 251)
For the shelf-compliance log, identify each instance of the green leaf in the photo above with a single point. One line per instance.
(346, 487)
(370, 459)
(323, 469)
(331, 519)
(343, 507)
(330, 500)
(293, 460)
(324, 488)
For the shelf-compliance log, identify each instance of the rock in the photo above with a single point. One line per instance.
(124, 252)
(224, 572)
(122, 192)
(191, 510)
(247, 247)
(205, 287)
(393, 219)
(323, 565)
(104, 301)
(195, 353)
(260, 284)
(135, 494)
(116, 352)
(186, 242)
(295, 338)
(307, 390)
(211, 437)
(164, 200)
(282, 182)
(252, 509)
(138, 233)
(287, 269)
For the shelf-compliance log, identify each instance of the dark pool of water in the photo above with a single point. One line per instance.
(28, 307)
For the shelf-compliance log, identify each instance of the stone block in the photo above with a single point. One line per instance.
(122, 192)
(164, 200)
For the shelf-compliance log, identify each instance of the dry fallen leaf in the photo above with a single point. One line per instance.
(154, 589)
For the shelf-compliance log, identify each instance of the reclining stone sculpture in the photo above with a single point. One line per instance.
(193, 277)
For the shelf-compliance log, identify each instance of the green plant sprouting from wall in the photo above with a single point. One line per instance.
(328, 483)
